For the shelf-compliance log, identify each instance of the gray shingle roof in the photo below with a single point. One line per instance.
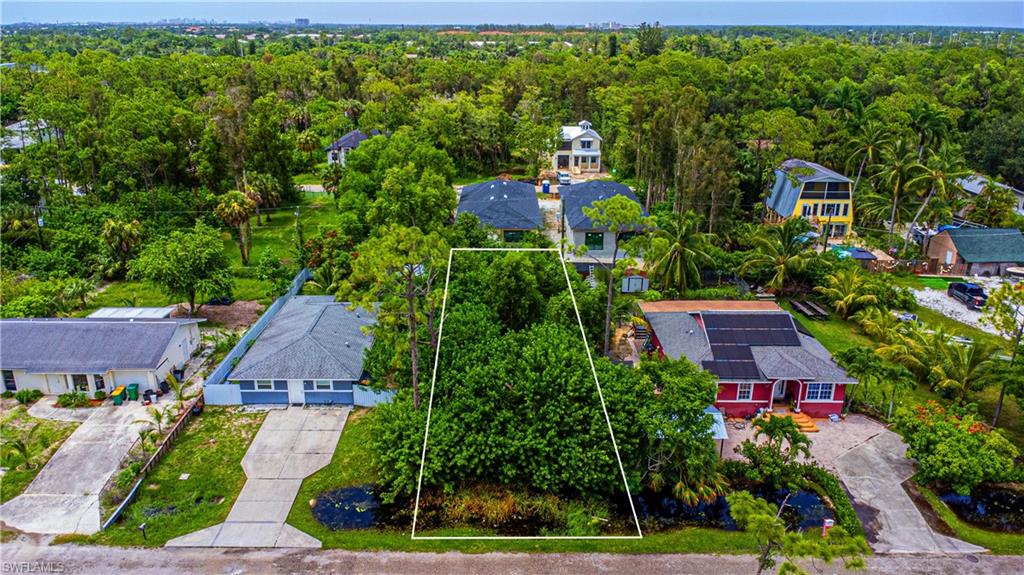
(680, 335)
(84, 345)
(502, 204)
(351, 140)
(988, 245)
(579, 196)
(785, 192)
(312, 337)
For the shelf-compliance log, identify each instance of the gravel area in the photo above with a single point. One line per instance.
(937, 300)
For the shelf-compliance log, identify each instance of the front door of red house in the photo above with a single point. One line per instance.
(779, 392)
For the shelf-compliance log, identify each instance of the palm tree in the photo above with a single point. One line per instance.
(964, 368)
(24, 446)
(308, 142)
(180, 390)
(846, 100)
(880, 324)
(929, 123)
(122, 238)
(847, 291)
(866, 147)
(236, 209)
(263, 190)
(899, 167)
(939, 175)
(687, 249)
(159, 417)
(784, 248)
(78, 289)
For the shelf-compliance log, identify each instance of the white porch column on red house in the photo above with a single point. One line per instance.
(799, 394)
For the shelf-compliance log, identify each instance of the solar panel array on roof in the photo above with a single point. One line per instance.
(732, 369)
(750, 329)
(732, 352)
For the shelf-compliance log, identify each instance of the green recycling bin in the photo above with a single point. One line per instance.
(133, 391)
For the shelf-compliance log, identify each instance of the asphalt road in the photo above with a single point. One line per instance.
(29, 554)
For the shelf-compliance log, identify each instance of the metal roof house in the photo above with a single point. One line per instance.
(310, 353)
(976, 251)
(509, 207)
(338, 149)
(756, 350)
(578, 228)
(813, 192)
(977, 183)
(91, 354)
(580, 150)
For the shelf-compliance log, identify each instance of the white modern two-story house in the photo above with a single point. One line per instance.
(580, 151)
(57, 355)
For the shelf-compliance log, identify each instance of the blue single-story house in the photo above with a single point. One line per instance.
(509, 207)
(310, 353)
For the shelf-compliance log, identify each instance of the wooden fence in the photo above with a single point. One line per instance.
(161, 450)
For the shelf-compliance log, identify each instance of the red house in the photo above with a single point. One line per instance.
(760, 355)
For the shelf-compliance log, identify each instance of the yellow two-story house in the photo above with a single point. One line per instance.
(811, 191)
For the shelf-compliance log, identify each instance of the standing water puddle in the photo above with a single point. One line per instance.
(347, 508)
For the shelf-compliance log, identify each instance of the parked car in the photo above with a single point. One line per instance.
(564, 179)
(973, 295)
(907, 317)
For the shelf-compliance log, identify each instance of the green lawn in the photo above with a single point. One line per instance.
(210, 450)
(834, 333)
(998, 543)
(47, 438)
(351, 466)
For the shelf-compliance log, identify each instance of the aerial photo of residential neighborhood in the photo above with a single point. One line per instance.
(432, 287)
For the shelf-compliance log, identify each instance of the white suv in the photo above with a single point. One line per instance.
(564, 179)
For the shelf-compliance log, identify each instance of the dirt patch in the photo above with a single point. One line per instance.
(927, 511)
(240, 314)
(357, 414)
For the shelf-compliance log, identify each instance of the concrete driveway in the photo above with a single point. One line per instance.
(291, 444)
(64, 497)
(874, 472)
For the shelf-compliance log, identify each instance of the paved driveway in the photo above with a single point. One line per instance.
(64, 497)
(874, 473)
(291, 444)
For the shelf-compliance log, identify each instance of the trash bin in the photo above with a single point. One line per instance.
(118, 395)
(133, 391)
(545, 186)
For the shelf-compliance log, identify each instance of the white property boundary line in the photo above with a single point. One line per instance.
(600, 395)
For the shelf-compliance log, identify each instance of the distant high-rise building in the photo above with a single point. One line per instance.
(302, 21)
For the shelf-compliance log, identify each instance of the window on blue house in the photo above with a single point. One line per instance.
(322, 385)
(265, 384)
(595, 240)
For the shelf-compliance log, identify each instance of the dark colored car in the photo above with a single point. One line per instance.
(973, 295)
(222, 300)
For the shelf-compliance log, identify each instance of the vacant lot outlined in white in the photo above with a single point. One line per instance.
(600, 395)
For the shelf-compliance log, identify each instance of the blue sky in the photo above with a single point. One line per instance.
(984, 13)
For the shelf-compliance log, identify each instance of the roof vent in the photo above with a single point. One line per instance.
(347, 344)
